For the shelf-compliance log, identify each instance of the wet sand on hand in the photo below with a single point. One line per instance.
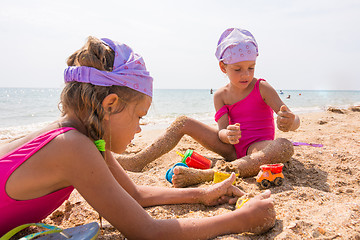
(319, 199)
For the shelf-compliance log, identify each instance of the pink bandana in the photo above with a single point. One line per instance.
(129, 70)
(236, 45)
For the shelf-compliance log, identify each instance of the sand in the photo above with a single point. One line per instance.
(319, 199)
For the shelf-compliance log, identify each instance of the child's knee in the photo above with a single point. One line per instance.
(286, 148)
(285, 143)
(181, 122)
(178, 123)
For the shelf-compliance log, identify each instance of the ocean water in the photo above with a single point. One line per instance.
(26, 109)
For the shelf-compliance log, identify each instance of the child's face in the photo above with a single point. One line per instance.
(125, 124)
(240, 74)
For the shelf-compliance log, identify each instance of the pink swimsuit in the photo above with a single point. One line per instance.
(13, 212)
(255, 117)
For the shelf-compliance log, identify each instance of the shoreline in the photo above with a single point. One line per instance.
(158, 122)
(319, 199)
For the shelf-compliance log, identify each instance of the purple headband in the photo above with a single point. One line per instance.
(129, 70)
(236, 45)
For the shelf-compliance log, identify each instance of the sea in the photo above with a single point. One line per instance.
(26, 109)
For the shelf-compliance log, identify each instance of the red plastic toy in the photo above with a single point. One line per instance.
(195, 160)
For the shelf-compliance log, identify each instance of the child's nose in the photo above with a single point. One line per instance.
(246, 73)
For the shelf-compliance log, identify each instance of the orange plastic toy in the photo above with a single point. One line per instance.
(270, 173)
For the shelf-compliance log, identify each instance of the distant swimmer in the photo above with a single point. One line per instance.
(281, 92)
(211, 91)
(288, 97)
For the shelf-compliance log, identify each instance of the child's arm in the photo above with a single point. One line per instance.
(150, 196)
(286, 120)
(85, 169)
(229, 134)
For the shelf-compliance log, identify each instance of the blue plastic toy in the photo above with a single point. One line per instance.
(170, 172)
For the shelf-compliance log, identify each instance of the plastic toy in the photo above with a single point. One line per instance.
(240, 202)
(220, 176)
(270, 173)
(195, 160)
(190, 159)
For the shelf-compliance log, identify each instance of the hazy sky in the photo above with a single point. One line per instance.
(303, 44)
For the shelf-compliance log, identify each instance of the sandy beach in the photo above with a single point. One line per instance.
(319, 199)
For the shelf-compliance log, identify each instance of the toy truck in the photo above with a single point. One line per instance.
(270, 173)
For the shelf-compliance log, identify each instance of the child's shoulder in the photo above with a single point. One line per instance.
(221, 91)
(75, 141)
(73, 150)
(264, 84)
(220, 96)
(70, 145)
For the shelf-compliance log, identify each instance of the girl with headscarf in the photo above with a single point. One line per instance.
(244, 113)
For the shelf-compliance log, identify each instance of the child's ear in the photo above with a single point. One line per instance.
(222, 67)
(110, 102)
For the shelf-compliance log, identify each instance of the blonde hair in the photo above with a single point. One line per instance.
(85, 99)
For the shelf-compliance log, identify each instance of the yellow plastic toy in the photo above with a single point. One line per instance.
(270, 173)
(240, 202)
(220, 176)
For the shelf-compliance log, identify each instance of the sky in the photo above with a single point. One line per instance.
(303, 44)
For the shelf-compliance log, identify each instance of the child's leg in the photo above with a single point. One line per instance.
(202, 133)
(266, 152)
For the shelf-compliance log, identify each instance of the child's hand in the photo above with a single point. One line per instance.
(261, 215)
(285, 119)
(223, 192)
(233, 133)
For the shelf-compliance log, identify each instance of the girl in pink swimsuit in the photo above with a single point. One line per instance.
(107, 91)
(244, 113)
